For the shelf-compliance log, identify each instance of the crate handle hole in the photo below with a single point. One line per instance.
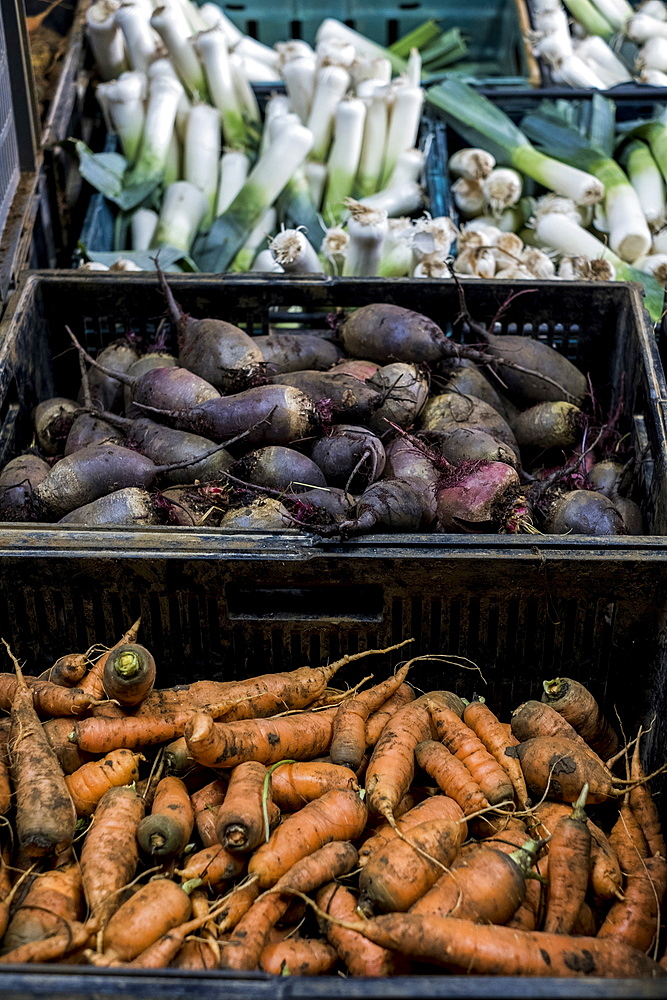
(318, 603)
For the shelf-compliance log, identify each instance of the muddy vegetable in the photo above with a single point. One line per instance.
(405, 391)
(349, 456)
(286, 352)
(91, 429)
(471, 444)
(468, 380)
(548, 425)
(388, 333)
(106, 393)
(583, 512)
(479, 497)
(261, 515)
(146, 363)
(444, 413)
(343, 396)
(536, 356)
(279, 468)
(18, 481)
(129, 506)
(53, 419)
(390, 505)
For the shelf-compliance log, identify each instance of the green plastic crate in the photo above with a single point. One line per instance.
(491, 28)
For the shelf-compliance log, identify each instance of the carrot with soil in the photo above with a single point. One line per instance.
(240, 821)
(93, 682)
(348, 743)
(166, 831)
(489, 730)
(129, 674)
(569, 863)
(578, 706)
(293, 785)
(461, 741)
(88, 784)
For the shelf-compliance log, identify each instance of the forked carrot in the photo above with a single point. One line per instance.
(348, 742)
(644, 808)
(569, 863)
(361, 957)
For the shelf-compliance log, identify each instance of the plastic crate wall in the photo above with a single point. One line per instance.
(9, 153)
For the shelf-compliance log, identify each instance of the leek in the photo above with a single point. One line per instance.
(245, 95)
(589, 18)
(265, 263)
(124, 103)
(331, 28)
(401, 199)
(367, 229)
(142, 228)
(300, 83)
(344, 157)
(416, 39)
(184, 59)
(655, 134)
(214, 53)
(163, 97)
(261, 232)
(139, 39)
(297, 208)
(234, 169)
(646, 180)
(482, 124)
(372, 147)
(332, 82)
(181, 214)
(106, 39)
(334, 249)
(291, 249)
(403, 127)
(266, 180)
(201, 155)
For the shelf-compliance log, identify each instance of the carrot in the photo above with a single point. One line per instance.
(634, 920)
(527, 917)
(45, 814)
(348, 741)
(109, 854)
(7, 891)
(48, 699)
(627, 840)
(161, 952)
(67, 671)
(177, 757)
(489, 730)
(298, 957)
(205, 804)
(53, 900)
(462, 946)
(166, 831)
(293, 785)
(454, 778)
(605, 877)
(379, 719)
(93, 682)
(585, 924)
(395, 878)
(564, 768)
(214, 866)
(89, 783)
(236, 905)
(244, 948)
(533, 718)
(102, 734)
(392, 765)
(461, 741)
(435, 807)
(5, 786)
(50, 949)
(488, 888)
(240, 820)
(196, 955)
(70, 757)
(569, 862)
(361, 957)
(578, 707)
(153, 910)
(337, 815)
(644, 807)
(227, 744)
(129, 674)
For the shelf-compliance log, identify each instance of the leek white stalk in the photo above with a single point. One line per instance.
(647, 181)
(654, 8)
(106, 39)
(214, 53)
(331, 52)
(414, 70)
(372, 147)
(590, 19)
(250, 48)
(403, 127)
(123, 264)
(331, 28)
(266, 180)
(316, 175)
(181, 214)
(409, 167)
(330, 87)
(431, 266)
(654, 264)
(653, 55)
(163, 98)
(654, 77)
(296, 48)
(139, 39)
(213, 17)
(655, 134)
(378, 70)
(257, 71)
(244, 92)
(475, 164)
(142, 228)
(468, 196)
(573, 71)
(538, 263)
(166, 22)
(183, 111)
(291, 249)
(640, 28)
(660, 241)
(201, 155)
(264, 263)
(583, 269)
(617, 14)
(367, 229)
(397, 260)
(257, 236)
(173, 167)
(334, 248)
(502, 189)
(234, 168)
(299, 77)
(192, 15)
(177, 12)
(404, 199)
(277, 106)
(343, 159)
(551, 203)
(594, 49)
(276, 126)
(124, 102)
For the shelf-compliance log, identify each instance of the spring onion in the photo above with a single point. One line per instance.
(106, 39)
(264, 262)
(640, 28)
(334, 248)
(596, 51)
(501, 189)
(401, 199)
(409, 167)
(468, 196)
(474, 164)
(593, 22)
(331, 28)
(654, 264)
(653, 55)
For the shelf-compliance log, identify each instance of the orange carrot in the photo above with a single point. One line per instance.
(475, 949)
(627, 839)
(167, 830)
(605, 877)
(153, 910)
(53, 900)
(177, 757)
(361, 957)
(70, 757)
(161, 952)
(634, 920)
(392, 765)
(109, 854)
(569, 862)
(67, 671)
(337, 815)
(227, 744)
(89, 783)
(454, 778)
(244, 948)
(93, 682)
(293, 785)
(396, 878)
(5, 786)
(236, 904)
(214, 866)
(435, 807)
(196, 955)
(461, 741)
(528, 915)
(489, 730)
(205, 804)
(534, 718)
(585, 924)
(379, 719)
(564, 768)
(50, 949)
(48, 699)
(240, 820)
(487, 888)
(578, 706)
(129, 674)
(45, 815)
(348, 742)
(103, 733)
(298, 957)
(644, 807)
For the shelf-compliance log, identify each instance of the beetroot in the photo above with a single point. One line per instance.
(390, 505)
(471, 444)
(295, 352)
(605, 477)
(467, 379)
(106, 393)
(336, 503)
(406, 461)
(349, 456)
(548, 425)
(346, 397)
(363, 370)
(53, 419)
(130, 506)
(480, 496)
(535, 356)
(404, 390)
(279, 468)
(387, 333)
(18, 481)
(156, 359)
(450, 410)
(583, 512)
(260, 515)
(87, 429)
